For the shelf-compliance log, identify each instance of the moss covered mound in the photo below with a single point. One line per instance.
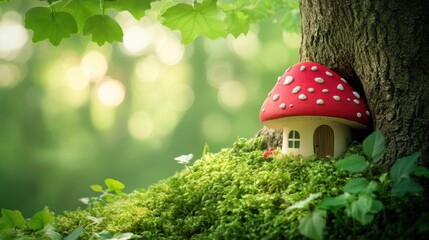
(239, 194)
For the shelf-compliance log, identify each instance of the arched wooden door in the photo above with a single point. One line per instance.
(323, 141)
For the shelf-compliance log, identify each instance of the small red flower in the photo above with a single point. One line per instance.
(268, 152)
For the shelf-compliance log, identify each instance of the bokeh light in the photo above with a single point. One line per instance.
(13, 35)
(94, 65)
(140, 126)
(136, 39)
(111, 93)
(9, 75)
(232, 94)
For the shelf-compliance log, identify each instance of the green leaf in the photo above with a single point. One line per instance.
(404, 186)
(137, 8)
(204, 18)
(334, 203)
(352, 163)
(313, 224)
(113, 184)
(364, 208)
(103, 29)
(421, 171)
(48, 25)
(304, 203)
(80, 9)
(237, 23)
(96, 188)
(12, 218)
(404, 167)
(356, 185)
(41, 219)
(75, 234)
(373, 146)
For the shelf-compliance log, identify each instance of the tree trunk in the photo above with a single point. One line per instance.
(382, 48)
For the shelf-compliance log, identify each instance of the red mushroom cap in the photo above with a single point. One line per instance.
(313, 90)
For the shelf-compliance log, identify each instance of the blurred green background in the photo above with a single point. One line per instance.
(73, 115)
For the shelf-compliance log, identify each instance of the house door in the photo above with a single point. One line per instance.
(323, 141)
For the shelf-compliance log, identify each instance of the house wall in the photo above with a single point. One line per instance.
(306, 128)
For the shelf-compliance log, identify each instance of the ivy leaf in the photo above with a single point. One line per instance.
(137, 8)
(103, 29)
(313, 224)
(48, 25)
(80, 9)
(41, 219)
(204, 18)
(403, 167)
(373, 146)
(12, 218)
(352, 163)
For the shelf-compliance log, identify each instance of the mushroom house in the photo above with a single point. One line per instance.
(316, 109)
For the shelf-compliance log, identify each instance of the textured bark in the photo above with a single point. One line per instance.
(382, 49)
(273, 138)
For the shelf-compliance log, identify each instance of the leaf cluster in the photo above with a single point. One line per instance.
(359, 199)
(210, 18)
(14, 225)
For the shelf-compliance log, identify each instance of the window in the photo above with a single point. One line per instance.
(293, 139)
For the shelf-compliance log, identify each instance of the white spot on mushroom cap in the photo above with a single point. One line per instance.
(367, 113)
(329, 74)
(336, 98)
(340, 87)
(288, 80)
(320, 101)
(282, 106)
(311, 89)
(276, 97)
(302, 97)
(269, 94)
(359, 115)
(348, 99)
(313, 68)
(356, 101)
(263, 109)
(325, 90)
(296, 89)
(344, 80)
(356, 94)
(302, 68)
(319, 80)
(291, 105)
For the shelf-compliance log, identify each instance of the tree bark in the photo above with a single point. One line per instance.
(382, 48)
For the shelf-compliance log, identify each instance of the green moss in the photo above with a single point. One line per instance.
(237, 194)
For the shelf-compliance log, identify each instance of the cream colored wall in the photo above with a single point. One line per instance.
(306, 128)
